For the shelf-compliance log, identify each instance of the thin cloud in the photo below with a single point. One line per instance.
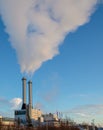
(16, 103)
(9, 106)
(82, 115)
(78, 95)
(86, 112)
(90, 109)
(51, 95)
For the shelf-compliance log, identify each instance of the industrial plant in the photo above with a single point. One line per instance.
(27, 115)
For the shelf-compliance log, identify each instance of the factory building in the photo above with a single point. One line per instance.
(50, 117)
(6, 121)
(28, 115)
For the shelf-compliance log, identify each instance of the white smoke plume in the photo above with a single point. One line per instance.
(36, 28)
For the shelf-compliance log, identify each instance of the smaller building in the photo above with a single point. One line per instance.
(21, 116)
(51, 120)
(36, 114)
(50, 117)
(6, 121)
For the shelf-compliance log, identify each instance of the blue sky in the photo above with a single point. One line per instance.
(71, 82)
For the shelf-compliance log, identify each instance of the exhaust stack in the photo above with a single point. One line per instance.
(24, 92)
(30, 92)
(30, 99)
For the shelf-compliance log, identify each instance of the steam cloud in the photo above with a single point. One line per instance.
(37, 27)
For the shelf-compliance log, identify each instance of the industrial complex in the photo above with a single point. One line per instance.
(27, 115)
(32, 117)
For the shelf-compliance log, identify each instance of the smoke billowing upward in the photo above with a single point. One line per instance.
(36, 28)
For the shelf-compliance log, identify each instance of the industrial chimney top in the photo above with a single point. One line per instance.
(29, 82)
(23, 78)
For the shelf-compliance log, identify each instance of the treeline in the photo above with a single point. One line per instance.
(63, 125)
(10, 127)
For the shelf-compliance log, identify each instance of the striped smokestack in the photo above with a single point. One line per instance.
(24, 92)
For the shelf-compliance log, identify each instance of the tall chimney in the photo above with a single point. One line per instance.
(30, 99)
(24, 92)
(30, 92)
